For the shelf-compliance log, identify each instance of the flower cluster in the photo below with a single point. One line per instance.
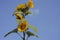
(20, 12)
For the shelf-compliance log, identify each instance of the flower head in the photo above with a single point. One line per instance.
(22, 27)
(20, 6)
(30, 4)
(18, 16)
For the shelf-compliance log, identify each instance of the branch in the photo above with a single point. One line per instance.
(20, 35)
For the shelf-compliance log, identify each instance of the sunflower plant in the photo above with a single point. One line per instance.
(23, 26)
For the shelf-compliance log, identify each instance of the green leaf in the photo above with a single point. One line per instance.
(20, 21)
(32, 27)
(30, 34)
(13, 31)
(26, 4)
(28, 12)
(17, 12)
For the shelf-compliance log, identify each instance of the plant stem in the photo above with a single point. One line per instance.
(20, 35)
(23, 35)
(27, 38)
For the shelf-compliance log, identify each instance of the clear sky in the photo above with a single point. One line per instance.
(46, 17)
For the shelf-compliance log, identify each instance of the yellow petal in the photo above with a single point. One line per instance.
(20, 6)
(18, 16)
(30, 4)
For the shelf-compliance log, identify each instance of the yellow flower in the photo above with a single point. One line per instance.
(22, 27)
(30, 4)
(20, 6)
(18, 16)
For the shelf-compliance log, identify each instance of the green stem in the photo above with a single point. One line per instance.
(23, 35)
(20, 35)
(27, 38)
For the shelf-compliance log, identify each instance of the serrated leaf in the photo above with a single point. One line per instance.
(32, 27)
(30, 34)
(13, 31)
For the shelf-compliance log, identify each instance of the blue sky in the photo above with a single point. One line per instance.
(46, 17)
